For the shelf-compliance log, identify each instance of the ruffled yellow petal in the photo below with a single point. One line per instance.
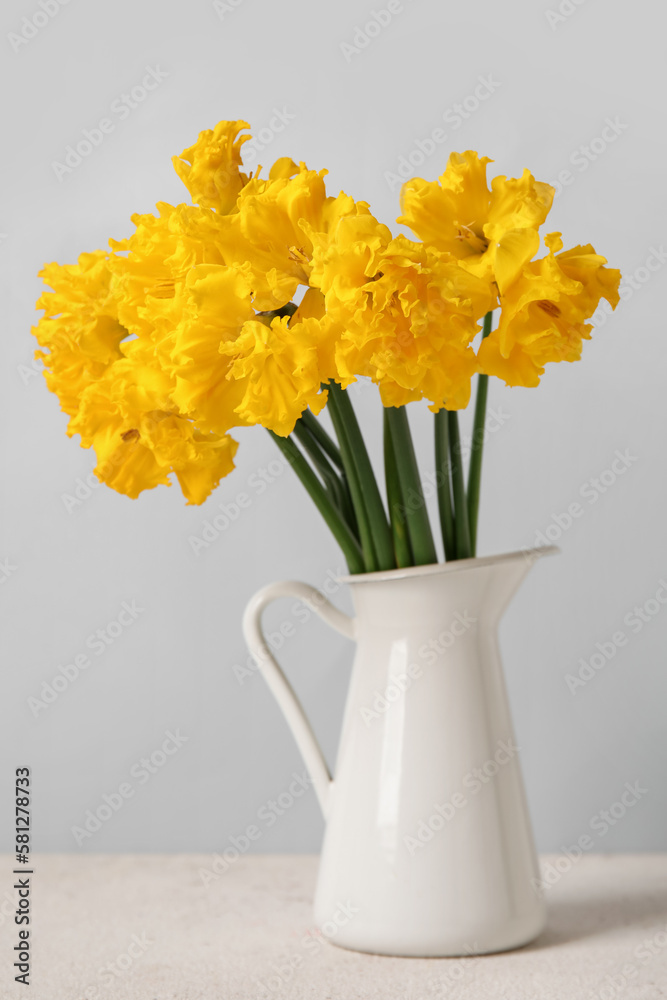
(181, 298)
(283, 168)
(218, 303)
(140, 439)
(407, 313)
(210, 169)
(450, 213)
(583, 264)
(312, 306)
(344, 260)
(511, 254)
(80, 330)
(282, 368)
(151, 267)
(275, 229)
(517, 203)
(517, 369)
(544, 313)
(491, 232)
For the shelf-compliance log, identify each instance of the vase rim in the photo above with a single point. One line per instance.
(453, 566)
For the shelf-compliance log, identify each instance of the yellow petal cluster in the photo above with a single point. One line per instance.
(407, 313)
(80, 330)
(492, 232)
(120, 406)
(545, 311)
(274, 227)
(181, 299)
(139, 438)
(281, 371)
(239, 308)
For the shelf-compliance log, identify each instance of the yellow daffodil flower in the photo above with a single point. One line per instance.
(544, 313)
(217, 303)
(151, 266)
(140, 439)
(281, 369)
(196, 319)
(408, 313)
(120, 407)
(175, 291)
(80, 328)
(274, 228)
(493, 233)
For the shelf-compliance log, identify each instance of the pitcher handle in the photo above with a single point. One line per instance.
(273, 675)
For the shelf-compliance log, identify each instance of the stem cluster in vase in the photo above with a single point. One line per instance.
(377, 534)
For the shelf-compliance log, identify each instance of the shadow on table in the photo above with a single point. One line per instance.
(575, 919)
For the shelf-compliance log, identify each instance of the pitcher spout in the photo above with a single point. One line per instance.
(481, 587)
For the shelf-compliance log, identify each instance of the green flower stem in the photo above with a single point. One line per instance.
(461, 528)
(335, 485)
(443, 473)
(347, 505)
(317, 457)
(416, 515)
(361, 514)
(327, 443)
(477, 448)
(395, 501)
(323, 502)
(374, 531)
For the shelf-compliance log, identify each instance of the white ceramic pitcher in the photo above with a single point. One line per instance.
(428, 849)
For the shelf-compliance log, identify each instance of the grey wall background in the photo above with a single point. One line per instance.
(556, 75)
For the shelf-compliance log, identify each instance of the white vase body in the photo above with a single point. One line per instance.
(428, 849)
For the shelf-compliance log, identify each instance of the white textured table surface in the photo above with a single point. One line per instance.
(146, 927)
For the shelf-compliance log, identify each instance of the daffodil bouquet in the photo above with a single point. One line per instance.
(265, 299)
